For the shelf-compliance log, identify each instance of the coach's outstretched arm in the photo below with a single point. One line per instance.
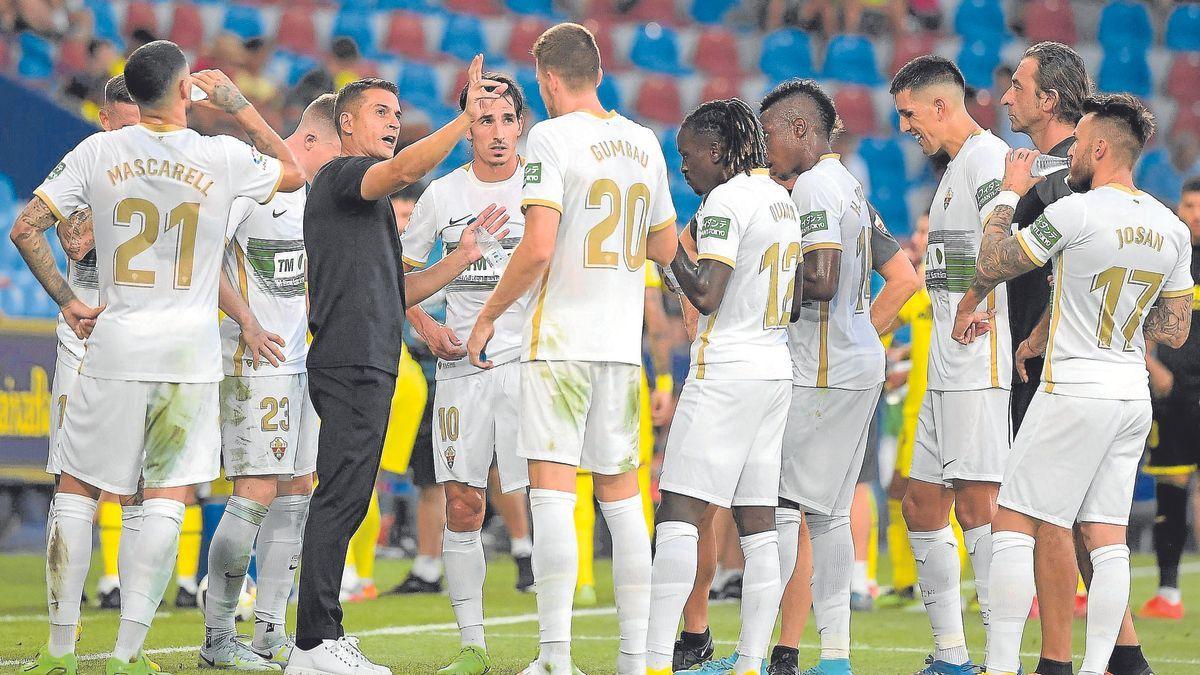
(29, 236)
(413, 162)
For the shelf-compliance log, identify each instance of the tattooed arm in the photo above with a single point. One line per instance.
(1000, 258)
(1169, 321)
(76, 235)
(29, 236)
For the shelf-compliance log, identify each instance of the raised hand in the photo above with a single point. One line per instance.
(492, 219)
(222, 93)
(480, 92)
(1018, 171)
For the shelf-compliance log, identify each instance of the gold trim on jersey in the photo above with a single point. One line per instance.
(525, 203)
(608, 114)
(992, 340)
(1055, 312)
(1178, 294)
(535, 333)
(413, 263)
(278, 182)
(1124, 188)
(830, 155)
(663, 225)
(161, 127)
(823, 348)
(1029, 251)
(50, 203)
(718, 258)
(829, 245)
(760, 172)
(243, 289)
(705, 337)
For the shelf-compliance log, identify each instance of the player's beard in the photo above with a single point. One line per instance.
(1079, 178)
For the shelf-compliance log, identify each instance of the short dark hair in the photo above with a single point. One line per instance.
(736, 128)
(514, 92)
(831, 124)
(344, 48)
(1062, 70)
(151, 70)
(352, 91)
(927, 70)
(1191, 185)
(115, 91)
(569, 51)
(1128, 112)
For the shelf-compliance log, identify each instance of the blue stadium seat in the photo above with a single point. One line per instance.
(656, 48)
(1125, 23)
(687, 202)
(851, 58)
(531, 7)
(670, 148)
(243, 21)
(459, 155)
(711, 11)
(12, 300)
(892, 204)
(415, 6)
(298, 65)
(786, 53)
(1156, 174)
(357, 25)
(885, 161)
(1183, 28)
(418, 84)
(977, 59)
(980, 19)
(610, 96)
(527, 78)
(37, 57)
(104, 21)
(1125, 69)
(463, 37)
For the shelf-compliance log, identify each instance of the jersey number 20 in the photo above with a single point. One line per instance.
(620, 210)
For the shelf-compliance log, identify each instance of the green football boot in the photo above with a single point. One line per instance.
(141, 666)
(45, 664)
(471, 660)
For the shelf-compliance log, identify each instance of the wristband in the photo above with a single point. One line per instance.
(664, 382)
(1007, 198)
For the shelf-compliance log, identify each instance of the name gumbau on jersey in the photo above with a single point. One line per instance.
(619, 148)
(177, 171)
(1138, 236)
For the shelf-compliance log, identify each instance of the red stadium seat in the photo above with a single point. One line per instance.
(452, 93)
(187, 28)
(72, 56)
(658, 99)
(406, 36)
(296, 31)
(609, 58)
(140, 15)
(1050, 20)
(662, 11)
(1183, 77)
(857, 111)
(719, 88)
(524, 33)
(909, 47)
(476, 7)
(717, 53)
(1187, 120)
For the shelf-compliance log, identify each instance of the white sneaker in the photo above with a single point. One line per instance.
(333, 657)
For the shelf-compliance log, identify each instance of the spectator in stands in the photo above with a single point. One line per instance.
(104, 61)
(49, 18)
(345, 63)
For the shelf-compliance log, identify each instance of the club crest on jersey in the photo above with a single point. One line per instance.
(278, 448)
(533, 172)
(949, 196)
(57, 171)
(449, 453)
(714, 227)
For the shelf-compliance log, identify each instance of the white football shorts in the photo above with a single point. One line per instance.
(1076, 459)
(268, 426)
(474, 420)
(962, 435)
(725, 441)
(66, 376)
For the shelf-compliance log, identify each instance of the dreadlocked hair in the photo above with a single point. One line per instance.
(738, 129)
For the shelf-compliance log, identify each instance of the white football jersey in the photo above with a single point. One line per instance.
(1115, 252)
(160, 199)
(265, 261)
(444, 210)
(608, 179)
(81, 277)
(750, 224)
(833, 343)
(963, 200)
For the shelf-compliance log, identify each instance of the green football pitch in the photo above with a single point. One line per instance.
(416, 634)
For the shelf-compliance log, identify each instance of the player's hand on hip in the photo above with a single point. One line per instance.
(80, 317)
(493, 219)
(1025, 351)
(1018, 171)
(263, 345)
(661, 404)
(443, 343)
(477, 344)
(222, 93)
(970, 324)
(480, 92)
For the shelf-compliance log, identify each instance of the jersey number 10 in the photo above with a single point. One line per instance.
(185, 216)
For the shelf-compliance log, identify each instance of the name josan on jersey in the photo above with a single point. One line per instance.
(1115, 252)
(160, 199)
(749, 223)
(963, 200)
(607, 177)
(833, 343)
(266, 262)
(445, 209)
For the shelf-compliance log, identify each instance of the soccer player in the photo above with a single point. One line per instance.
(161, 195)
(837, 360)
(596, 206)
(724, 445)
(962, 433)
(1115, 286)
(475, 411)
(268, 425)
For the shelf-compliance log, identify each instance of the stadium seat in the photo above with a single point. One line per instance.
(856, 109)
(524, 33)
(786, 53)
(406, 36)
(460, 81)
(1050, 20)
(104, 21)
(851, 59)
(658, 100)
(418, 84)
(1187, 120)
(661, 11)
(543, 8)
(187, 27)
(885, 159)
(717, 53)
(299, 65)
(1125, 23)
(463, 37)
(908, 47)
(243, 21)
(475, 7)
(527, 78)
(602, 30)
(711, 11)
(356, 24)
(609, 94)
(1183, 28)
(656, 48)
(978, 60)
(687, 202)
(980, 19)
(719, 88)
(37, 57)
(296, 31)
(1125, 69)
(890, 201)
(72, 55)
(414, 6)
(140, 15)
(1183, 78)
(670, 147)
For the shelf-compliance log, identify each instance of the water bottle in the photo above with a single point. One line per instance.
(1045, 165)
(495, 254)
(670, 280)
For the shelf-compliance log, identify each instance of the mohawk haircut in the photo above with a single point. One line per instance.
(115, 91)
(350, 94)
(569, 51)
(831, 124)
(1128, 113)
(151, 70)
(514, 93)
(925, 71)
(1062, 70)
(736, 129)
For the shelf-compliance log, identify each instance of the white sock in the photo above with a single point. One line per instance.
(979, 546)
(1107, 600)
(626, 522)
(938, 572)
(462, 553)
(833, 559)
(279, 538)
(674, 572)
(131, 526)
(68, 557)
(1171, 595)
(427, 568)
(761, 593)
(859, 583)
(787, 524)
(521, 547)
(228, 561)
(1012, 579)
(555, 569)
(151, 570)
